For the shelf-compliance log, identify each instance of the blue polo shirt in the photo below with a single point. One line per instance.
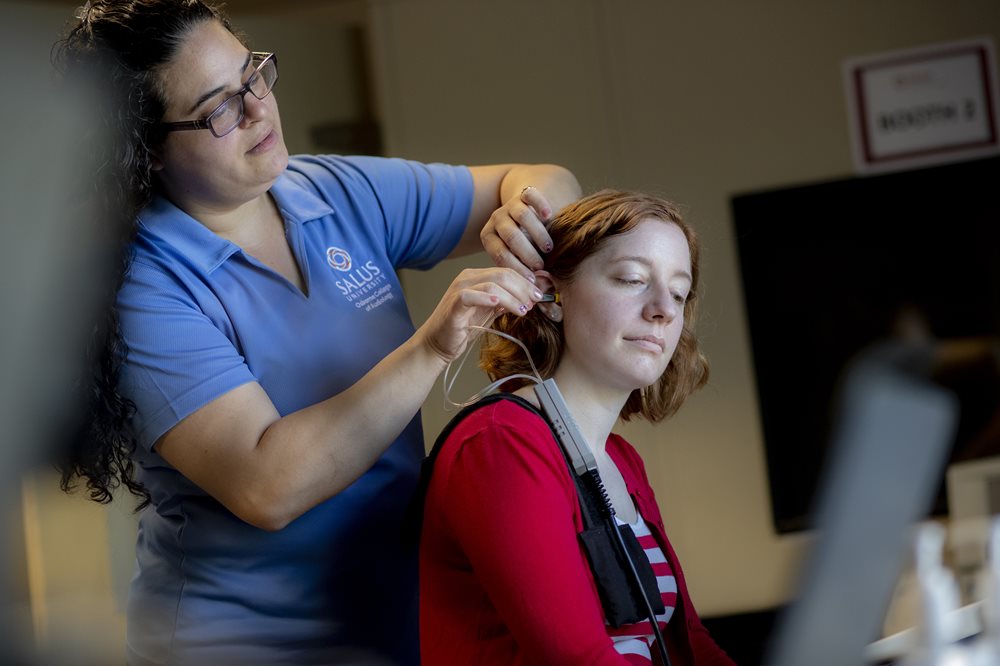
(201, 317)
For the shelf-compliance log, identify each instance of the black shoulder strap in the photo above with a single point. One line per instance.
(413, 521)
(618, 593)
(428, 464)
(589, 504)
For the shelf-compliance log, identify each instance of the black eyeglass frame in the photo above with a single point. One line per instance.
(206, 122)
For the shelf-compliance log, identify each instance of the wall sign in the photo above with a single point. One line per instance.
(923, 106)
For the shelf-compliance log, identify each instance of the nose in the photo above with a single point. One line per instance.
(661, 306)
(253, 108)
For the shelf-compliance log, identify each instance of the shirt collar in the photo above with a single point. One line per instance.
(298, 204)
(207, 249)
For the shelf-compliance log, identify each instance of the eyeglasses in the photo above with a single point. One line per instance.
(227, 116)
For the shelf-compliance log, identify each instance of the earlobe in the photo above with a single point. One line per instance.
(155, 163)
(551, 310)
(546, 284)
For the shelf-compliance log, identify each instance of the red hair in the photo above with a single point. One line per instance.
(578, 231)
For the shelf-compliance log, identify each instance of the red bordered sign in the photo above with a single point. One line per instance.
(923, 106)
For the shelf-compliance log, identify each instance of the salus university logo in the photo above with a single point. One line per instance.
(365, 285)
(338, 258)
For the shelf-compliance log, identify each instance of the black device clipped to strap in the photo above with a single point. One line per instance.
(625, 579)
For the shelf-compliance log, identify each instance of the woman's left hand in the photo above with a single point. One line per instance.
(511, 206)
(516, 232)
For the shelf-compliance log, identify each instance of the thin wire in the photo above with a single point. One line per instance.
(449, 382)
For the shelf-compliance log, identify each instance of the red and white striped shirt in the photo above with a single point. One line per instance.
(634, 641)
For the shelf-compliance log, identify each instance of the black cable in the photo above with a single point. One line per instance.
(660, 643)
(565, 431)
(597, 488)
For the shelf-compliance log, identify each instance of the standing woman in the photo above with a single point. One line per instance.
(504, 576)
(259, 378)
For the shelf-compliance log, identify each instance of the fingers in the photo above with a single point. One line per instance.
(516, 230)
(509, 248)
(474, 296)
(533, 197)
(530, 213)
(500, 288)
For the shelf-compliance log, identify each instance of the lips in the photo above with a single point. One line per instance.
(650, 342)
(265, 142)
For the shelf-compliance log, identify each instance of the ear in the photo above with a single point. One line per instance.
(546, 284)
(155, 163)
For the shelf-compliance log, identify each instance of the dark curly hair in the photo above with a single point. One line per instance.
(578, 231)
(118, 48)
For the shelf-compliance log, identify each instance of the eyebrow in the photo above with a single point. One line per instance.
(647, 262)
(215, 91)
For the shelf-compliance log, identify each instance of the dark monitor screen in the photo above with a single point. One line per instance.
(829, 269)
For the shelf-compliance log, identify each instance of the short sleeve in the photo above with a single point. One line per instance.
(178, 359)
(420, 210)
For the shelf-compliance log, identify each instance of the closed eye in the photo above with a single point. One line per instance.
(630, 281)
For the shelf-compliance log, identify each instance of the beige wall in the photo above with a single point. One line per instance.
(317, 82)
(697, 101)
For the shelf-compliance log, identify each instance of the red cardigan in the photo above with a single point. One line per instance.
(503, 579)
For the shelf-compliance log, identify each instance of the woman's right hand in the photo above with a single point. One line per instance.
(471, 299)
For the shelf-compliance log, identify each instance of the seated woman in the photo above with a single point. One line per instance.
(504, 579)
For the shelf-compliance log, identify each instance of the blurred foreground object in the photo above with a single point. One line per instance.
(890, 444)
(52, 283)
